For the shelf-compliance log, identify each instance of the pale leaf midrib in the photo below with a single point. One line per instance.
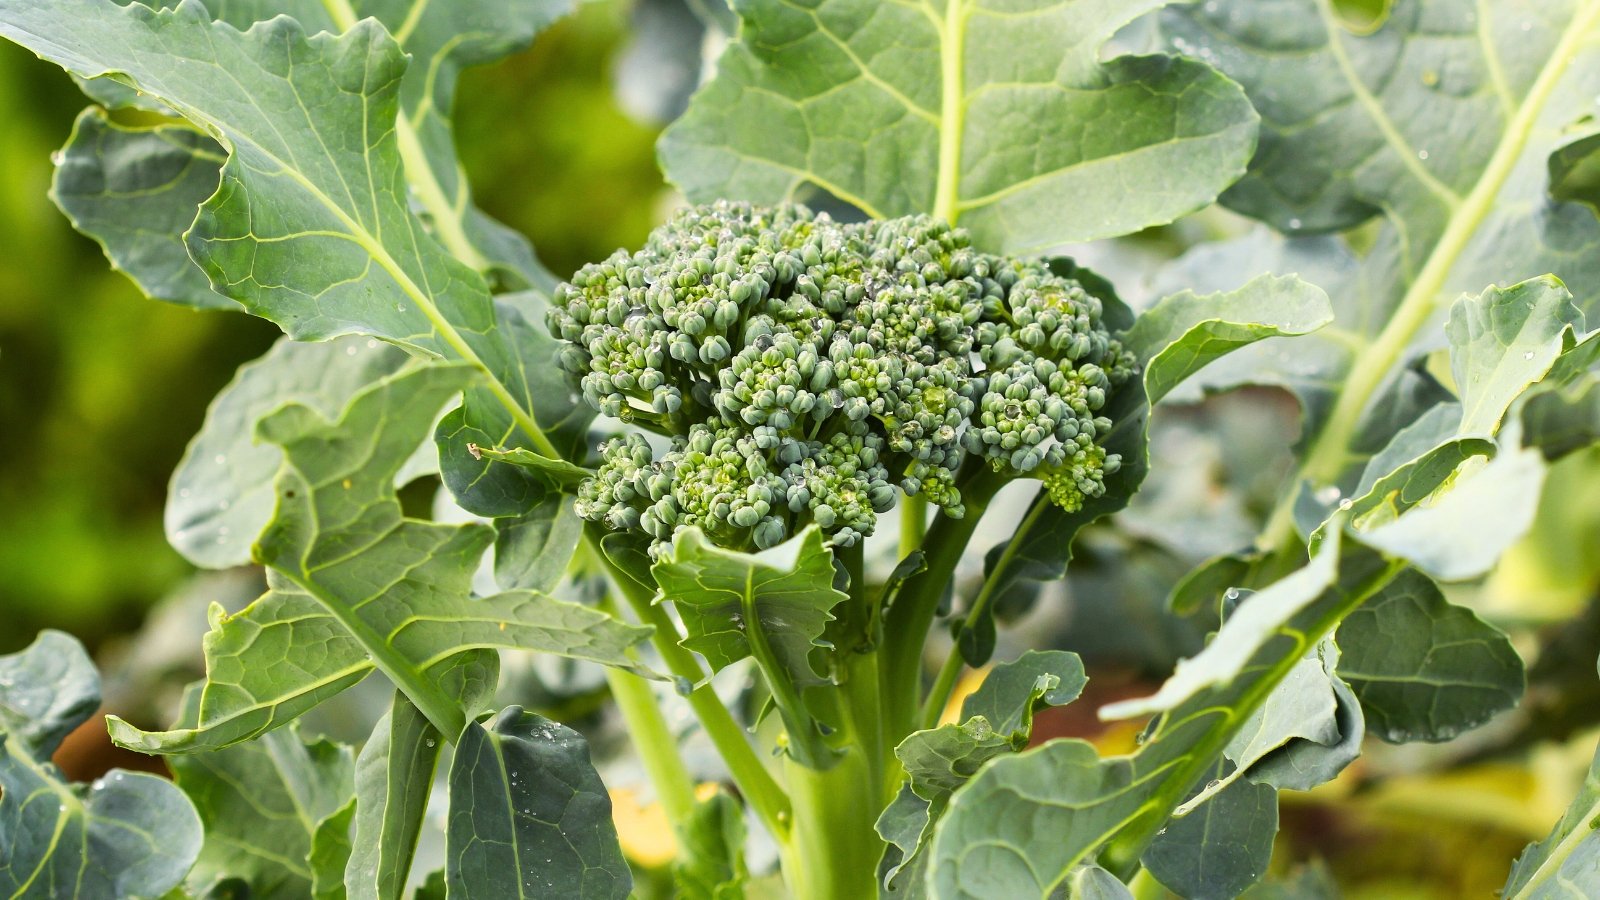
(1329, 452)
(1562, 850)
(447, 223)
(946, 199)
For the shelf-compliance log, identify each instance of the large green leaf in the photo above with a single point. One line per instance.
(128, 834)
(1354, 126)
(110, 175)
(221, 495)
(1423, 668)
(359, 585)
(1001, 114)
(393, 777)
(314, 233)
(1220, 849)
(1357, 126)
(529, 816)
(1026, 821)
(710, 864)
(262, 804)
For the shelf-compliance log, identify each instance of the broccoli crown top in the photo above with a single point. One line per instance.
(802, 368)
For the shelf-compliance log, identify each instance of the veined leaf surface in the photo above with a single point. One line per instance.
(998, 114)
(130, 833)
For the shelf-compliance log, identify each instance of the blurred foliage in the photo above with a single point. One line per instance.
(100, 388)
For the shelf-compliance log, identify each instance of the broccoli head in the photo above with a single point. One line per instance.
(801, 369)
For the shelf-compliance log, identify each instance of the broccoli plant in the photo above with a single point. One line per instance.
(737, 471)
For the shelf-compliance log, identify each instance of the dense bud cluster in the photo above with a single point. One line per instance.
(802, 369)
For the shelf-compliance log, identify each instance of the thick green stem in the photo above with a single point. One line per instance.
(944, 685)
(907, 622)
(913, 524)
(654, 741)
(834, 846)
(862, 687)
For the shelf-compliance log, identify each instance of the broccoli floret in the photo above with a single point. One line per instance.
(801, 370)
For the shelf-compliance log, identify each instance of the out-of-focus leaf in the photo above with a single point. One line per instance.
(263, 803)
(1424, 669)
(130, 833)
(393, 776)
(993, 114)
(1575, 172)
(710, 863)
(661, 64)
(330, 853)
(1209, 581)
(337, 539)
(221, 495)
(1561, 422)
(1567, 862)
(529, 816)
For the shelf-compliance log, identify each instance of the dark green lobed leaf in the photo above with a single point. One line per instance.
(1425, 669)
(529, 816)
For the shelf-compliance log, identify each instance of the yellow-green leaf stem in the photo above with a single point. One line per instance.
(1330, 453)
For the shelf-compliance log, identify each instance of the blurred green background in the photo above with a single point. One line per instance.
(100, 388)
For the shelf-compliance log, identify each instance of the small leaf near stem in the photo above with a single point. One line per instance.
(939, 696)
(757, 785)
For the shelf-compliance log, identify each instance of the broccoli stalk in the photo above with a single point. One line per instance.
(802, 369)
